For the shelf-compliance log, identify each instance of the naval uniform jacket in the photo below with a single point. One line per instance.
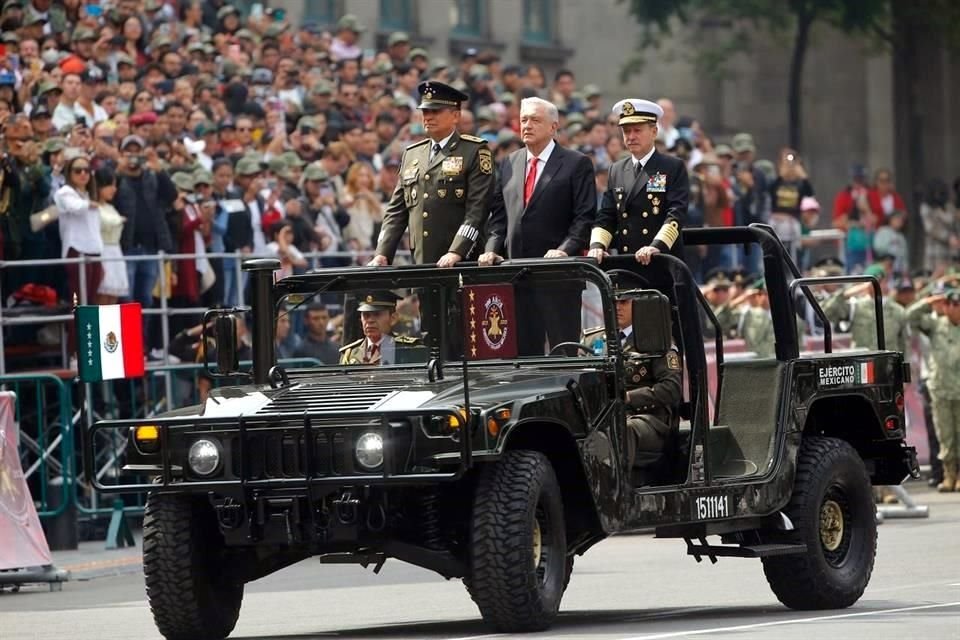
(443, 201)
(645, 209)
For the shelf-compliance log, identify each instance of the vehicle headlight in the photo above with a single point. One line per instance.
(204, 457)
(370, 450)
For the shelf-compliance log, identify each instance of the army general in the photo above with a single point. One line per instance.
(642, 210)
(442, 193)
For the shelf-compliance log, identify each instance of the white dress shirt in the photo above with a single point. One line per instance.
(645, 159)
(79, 222)
(442, 143)
(542, 158)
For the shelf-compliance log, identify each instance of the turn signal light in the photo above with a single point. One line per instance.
(892, 424)
(147, 437)
(497, 420)
(455, 422)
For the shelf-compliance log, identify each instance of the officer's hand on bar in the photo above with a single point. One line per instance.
(645, 253)
(448, 260)
(555, 253)
(597, 254)
(489, 258)
(378, 261)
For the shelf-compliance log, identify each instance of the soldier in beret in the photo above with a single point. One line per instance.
(643, 208)
(378, 313)
(443, 189)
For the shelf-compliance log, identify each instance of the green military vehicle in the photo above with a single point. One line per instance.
(469, 460)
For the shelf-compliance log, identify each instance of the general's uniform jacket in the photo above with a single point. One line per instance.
(641, 210)
(444, 202)
(356, 351)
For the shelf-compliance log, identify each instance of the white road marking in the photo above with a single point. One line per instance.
(779, 623)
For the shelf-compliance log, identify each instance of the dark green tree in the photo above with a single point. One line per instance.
(778, 18)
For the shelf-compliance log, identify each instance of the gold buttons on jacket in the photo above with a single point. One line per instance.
(644, 213)
(426, 233)
(425, 195)
(624, 215)
(645, 232)
(425, 214)
(624, 232)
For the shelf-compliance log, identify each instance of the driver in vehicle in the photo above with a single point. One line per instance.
(654, 387)
(378, 315)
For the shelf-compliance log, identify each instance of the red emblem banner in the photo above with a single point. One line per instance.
(489, 322)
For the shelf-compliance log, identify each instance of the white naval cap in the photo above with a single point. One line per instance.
(634, 110)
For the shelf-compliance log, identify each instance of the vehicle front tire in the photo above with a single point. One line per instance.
(518, 560)
(182, 561)
(833, 513)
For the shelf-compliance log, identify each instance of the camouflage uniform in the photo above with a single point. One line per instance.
(756, 329)
(859, 313)
(654, 393)
(943, 382)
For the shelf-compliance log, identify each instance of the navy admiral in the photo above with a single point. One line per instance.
(379, 345)
(442, 194)
(643, 208)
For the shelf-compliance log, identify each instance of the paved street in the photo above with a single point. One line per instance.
(631, 587)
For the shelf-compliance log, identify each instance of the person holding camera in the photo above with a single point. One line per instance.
(144, 196)
(787, 191)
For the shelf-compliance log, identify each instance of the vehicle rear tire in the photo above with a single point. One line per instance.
(833, 512)
(519, 566)
(182, 560)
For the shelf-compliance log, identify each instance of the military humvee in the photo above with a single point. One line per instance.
(500, 469)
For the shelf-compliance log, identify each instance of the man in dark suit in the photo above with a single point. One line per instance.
(543, 205)
(643, 208)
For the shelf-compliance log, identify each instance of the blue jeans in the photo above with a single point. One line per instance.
(142, 275)
(231, 288)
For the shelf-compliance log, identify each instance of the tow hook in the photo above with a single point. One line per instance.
(230, 514)
(346, 507)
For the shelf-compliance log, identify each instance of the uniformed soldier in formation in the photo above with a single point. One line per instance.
(379, 344)
(943, 383)
(643, 208)
(654, 386)
(717, 294)
(442, 194)
(855, 304)
(756, 324)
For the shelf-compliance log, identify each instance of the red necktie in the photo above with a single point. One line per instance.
(372, 352)
(530, 182)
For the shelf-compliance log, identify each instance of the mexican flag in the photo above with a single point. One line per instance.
(109, 341)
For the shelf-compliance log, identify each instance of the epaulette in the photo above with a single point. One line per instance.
(353, 344)
(406, 340)
(417, 144)
(470, 138)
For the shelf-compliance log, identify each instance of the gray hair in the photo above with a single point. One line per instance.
(549, 107)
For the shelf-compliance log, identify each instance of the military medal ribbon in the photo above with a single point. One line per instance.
(109, 342)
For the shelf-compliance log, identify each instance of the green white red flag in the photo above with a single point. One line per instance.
(109, 342)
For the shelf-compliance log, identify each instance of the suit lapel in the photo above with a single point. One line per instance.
(444, 152)
(518, 164)
(549, 170)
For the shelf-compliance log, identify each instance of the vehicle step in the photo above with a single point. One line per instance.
(745, 551)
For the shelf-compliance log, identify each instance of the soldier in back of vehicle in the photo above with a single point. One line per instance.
(855, 304)
(653, 383)
(379, 345)
(943, 383)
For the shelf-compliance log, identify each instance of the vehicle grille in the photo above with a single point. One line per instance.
(338, 395)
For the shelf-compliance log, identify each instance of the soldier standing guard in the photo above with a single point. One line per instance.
(443, 189)
(643, 208)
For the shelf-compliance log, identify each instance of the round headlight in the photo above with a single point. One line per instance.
(370, 450)
(204, 457)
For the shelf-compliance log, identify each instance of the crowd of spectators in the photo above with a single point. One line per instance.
(138, 126)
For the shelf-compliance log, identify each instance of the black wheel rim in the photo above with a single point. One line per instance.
(835, 527)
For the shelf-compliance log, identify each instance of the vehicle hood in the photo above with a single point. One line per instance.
(402, 390)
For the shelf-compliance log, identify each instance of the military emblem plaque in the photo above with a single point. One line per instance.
(489, 322)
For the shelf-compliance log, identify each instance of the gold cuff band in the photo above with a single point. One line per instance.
(601, 235)
(668, 234)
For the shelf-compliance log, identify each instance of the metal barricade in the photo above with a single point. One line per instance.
(46, 415)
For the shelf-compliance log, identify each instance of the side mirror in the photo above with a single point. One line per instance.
(651, 322)
(228, 359)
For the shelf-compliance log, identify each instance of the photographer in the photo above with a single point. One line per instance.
(144, 196)
(787, 191)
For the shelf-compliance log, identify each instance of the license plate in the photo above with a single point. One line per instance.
(711, 507)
